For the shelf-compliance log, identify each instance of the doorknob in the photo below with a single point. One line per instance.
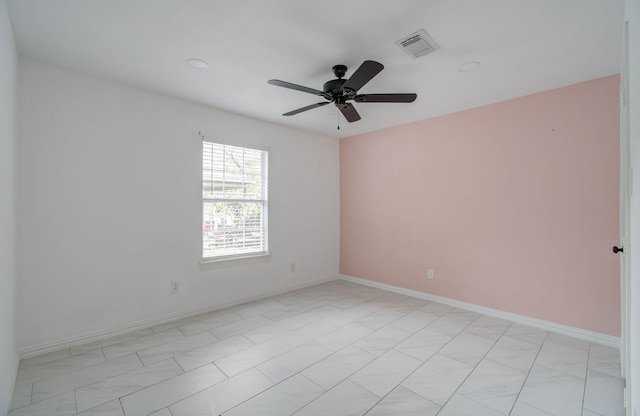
(617, 249)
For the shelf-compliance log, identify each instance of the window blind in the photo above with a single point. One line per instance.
(234, 201)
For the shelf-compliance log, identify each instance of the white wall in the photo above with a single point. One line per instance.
(8, 357)
(632, 15)
(109, 206)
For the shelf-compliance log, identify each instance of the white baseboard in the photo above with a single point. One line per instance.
(35, 350)
(591, 336)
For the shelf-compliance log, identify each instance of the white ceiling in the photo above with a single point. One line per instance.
(524, 46)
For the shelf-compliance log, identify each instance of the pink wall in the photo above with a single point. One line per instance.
(514, 205)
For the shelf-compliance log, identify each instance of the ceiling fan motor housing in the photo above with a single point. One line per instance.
(334, 87)
(339, 70)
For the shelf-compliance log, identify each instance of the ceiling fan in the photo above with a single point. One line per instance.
(339, 91)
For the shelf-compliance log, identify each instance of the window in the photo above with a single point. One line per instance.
(234, 201)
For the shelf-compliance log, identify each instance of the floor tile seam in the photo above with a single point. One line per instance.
(561, 344)
(10, 405)
(178, 364)
(154, 334)
(537, 408)
(483, 405)
(404, 379)
(270, 321)
(211, 362)
(121, 406)
(251, 316)
(310, 310)
(352, 343)
(348, 323)
(386, 349)
(451, 340)
(404, 329)
(602, 373)
(20, 407)
(493, 361)
(308, 341)
(228, 378)
(584, 387)
(30, 398)
(376, 403)
(175, 354)
(469, 375)
(385, 396)
(528, 375)
(266, 339)
(58, 374)
(401, 381)
(521, 340)
(128, 394)
(592, 411)
(104, 346)
(156, 331)
(276, 384)
(589, 368)
(355, 371)
(391, 322)
(48, 398)
(485, 337)
(459, 332)
(185, 335)
(231, 336)
(21, 364)
(85, 385)
(256, 365)
(46, 364)
(162, 381)
(297, 372)
(143, 349)
(149, 365)
(540, 410)
(566, 373)
(225, 339)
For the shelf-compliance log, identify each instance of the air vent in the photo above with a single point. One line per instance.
(418, 44)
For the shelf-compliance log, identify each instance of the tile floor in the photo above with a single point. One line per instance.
(334, 349)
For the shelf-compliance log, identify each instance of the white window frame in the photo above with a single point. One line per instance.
(263, 200)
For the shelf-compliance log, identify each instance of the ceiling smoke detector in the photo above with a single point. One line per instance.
(418, 44)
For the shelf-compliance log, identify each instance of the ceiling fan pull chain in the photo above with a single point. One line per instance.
(338, 121)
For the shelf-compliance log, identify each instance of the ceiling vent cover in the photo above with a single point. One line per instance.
(418, 44)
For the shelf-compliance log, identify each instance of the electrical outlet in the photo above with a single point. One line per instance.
(174, 287)
(292, 266)
(430, 273)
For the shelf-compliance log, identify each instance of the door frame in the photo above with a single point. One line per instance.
(626, 177)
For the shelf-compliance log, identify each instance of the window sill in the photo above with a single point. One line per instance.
(219, 260)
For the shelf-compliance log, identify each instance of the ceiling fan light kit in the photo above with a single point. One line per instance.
(340, 91)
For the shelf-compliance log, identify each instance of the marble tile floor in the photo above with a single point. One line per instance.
(334, 349)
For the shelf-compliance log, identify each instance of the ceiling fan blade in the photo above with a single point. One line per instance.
(363, 74)
(349, 112)
(385, 98)
(309, 107)
(291, 86)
